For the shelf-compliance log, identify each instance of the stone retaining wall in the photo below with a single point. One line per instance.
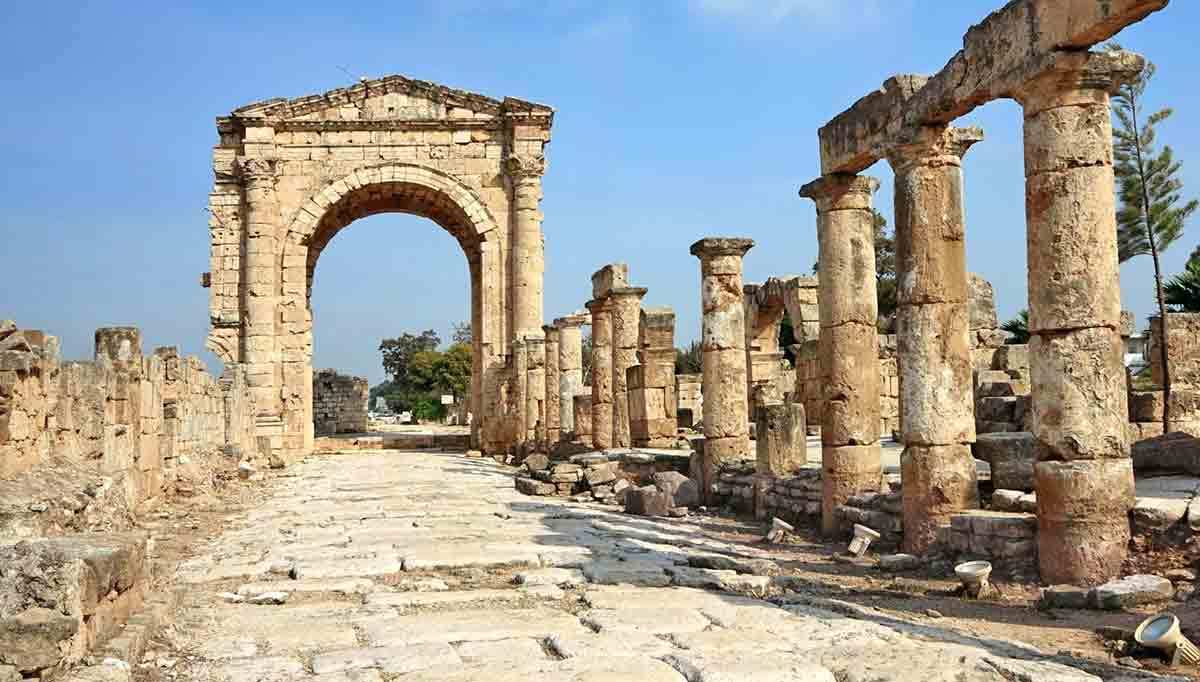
(339, 403)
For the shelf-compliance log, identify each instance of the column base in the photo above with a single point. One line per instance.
(847, 470)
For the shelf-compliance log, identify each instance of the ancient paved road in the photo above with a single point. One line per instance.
(406, 565)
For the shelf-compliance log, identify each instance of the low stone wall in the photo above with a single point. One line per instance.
(339, 403)
(114, 427)
(1007, 539)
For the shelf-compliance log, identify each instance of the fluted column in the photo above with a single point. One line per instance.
(1083, 474)
(937, 420)
(528, 259)
(602, 375)
(723, 343)
(570, 368)
(849, 341)
(626, 305)
(552, 398)
(261, 285)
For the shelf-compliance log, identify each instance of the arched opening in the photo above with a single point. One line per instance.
(409, 190)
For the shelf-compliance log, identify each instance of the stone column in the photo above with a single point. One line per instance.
(1083, 474)
(261, 285)
(626, 304)
(518, 396)
(528, 259)
(723, 342)
(552, 399)
(937, 418)
(602, 408)
(849, 342)
(653, 418)
(570, 367)
(535, 393)
(781, 441)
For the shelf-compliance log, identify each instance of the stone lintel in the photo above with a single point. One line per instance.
(577, 319)
(609, 277)
(711, 247)
(1006, 50)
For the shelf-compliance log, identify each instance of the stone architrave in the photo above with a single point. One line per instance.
(937, 422)
(723, 343)
(626, 305)
(849, 343)
(653, 418)
(553, 422)
(602, 409)
(570, 368)
(1083, 475)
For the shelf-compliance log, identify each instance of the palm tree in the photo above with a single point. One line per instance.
(1149, 218)
(1018, 327)
(1182, 292)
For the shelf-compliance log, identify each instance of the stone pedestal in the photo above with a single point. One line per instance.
(937, 422)
(723, 341)
(781, 440)
(1079, 403)
(626, 303)
(849, 355)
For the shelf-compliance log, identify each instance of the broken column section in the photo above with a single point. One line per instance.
(626, 304)
(1083, 473)
(849, 355)
(570, 368)
(652, 403)
(723, 342)
(937, 424)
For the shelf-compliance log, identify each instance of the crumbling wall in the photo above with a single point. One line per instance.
(339, 403)
(81, 443)
(690, 410)
(1183, 357)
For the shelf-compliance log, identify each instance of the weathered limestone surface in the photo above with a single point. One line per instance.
(628, 621)
(653, 400)
(535, 396)
(937, 421)
(553, 397)
(626, 304)
(339, 403)
(570, 367)
(1079, 405)
(998, 57)
(723, 339)
(1183, 357)
(849, 342)
(602, 375)
(290, 174)
(781, 440)
(125, 416)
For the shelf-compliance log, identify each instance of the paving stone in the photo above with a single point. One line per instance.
(471, 555)
(726, 667)
(620, 643)
(501, 651)
(411, 599)
(650, 621)
(259, 669)
(1133, 590)
(626, 572)
(366, 675)
(551, 576)
(470, 625)
(333, 586)
(596, 668)
(391, 659)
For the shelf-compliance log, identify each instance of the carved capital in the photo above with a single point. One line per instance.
(932, 146)
(525, 167)
(255, 170)
(1070, 78)
(841, 191)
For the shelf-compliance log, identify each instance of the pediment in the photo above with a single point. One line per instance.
(393, 98)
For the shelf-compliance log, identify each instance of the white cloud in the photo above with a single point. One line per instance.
(772, 12)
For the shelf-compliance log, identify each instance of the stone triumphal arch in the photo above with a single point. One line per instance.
(291, 174)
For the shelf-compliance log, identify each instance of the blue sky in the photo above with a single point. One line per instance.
(676, 119)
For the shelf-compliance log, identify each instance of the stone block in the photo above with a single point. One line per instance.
(648, 501)
(1130, 591)
(529, 486)
(680, 490)
(1064, 597)
(1145, 406)
(1011, 456)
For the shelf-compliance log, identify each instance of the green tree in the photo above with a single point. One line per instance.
(461, 334)
(689, 360)
(398, 353)
(1152, 213)
(1018, 327)
(1182, 292)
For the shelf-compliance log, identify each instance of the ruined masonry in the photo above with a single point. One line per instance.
(339, 403)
